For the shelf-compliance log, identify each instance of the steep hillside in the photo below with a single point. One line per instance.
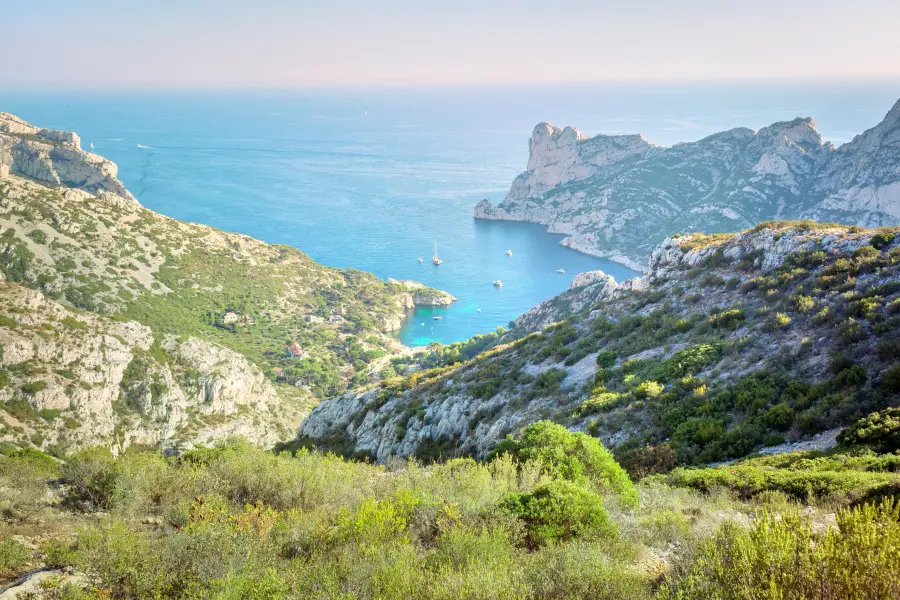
(728, 344)
(71, 231)
(619, 196)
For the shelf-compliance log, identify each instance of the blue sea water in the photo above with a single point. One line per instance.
(372, 178)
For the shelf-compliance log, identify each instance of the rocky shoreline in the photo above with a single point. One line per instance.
(617, 196)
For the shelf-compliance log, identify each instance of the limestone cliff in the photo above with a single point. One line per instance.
(55, 157)
(74, 379)
(618, 196)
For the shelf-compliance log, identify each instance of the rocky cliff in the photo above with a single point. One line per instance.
(55, 157)
(618, 196)
(120, 325)
(73, 379)
(729, 343)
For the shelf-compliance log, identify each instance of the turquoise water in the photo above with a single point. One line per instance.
(370, 179)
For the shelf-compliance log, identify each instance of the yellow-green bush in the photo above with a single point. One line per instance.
(786, 558)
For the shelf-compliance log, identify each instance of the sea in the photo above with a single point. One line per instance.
(374, 178)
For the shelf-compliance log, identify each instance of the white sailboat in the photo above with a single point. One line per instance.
(509, 252)
(435, 258)
(498, 283)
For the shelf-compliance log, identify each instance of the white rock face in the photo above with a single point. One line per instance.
(618, 196)
(422, 295)
(55, 157)
(96, 372)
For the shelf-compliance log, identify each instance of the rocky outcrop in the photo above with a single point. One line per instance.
(619, 196)
(93, 380)
(422, 295)
(55, 157)
(586, 290)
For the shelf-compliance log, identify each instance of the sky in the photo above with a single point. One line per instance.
(333, 43)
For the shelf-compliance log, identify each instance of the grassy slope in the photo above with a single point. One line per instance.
(180, 278)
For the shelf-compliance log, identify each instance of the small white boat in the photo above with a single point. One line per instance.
(437, 318)
(92, 145)
(498, 283)
(509, 252)
(435, 258)
(420, 259)
(478, 310)
(560, 270)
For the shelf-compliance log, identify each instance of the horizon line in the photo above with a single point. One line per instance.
(426, 85)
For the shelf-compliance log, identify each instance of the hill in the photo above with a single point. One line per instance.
(618, 196)
(141, 329)
(729, 343)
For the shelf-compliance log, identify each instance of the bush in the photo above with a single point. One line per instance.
(781, 321)
(547, 382)
(880, 431)
(786, 558)
(91, 475)
(560, 510)
(890, 380)
(729, 319)
(607, 358)
(882, 240)
(801, 485)
(33, 387)
(648, 389)
(573, 456)
(13, 558)
(804, 304)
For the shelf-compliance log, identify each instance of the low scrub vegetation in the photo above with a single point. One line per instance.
(550, 515)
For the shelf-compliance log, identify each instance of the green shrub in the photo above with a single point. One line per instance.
(802, 485)
(880, 431)
(687, 361)
(569, 455)
(600, 399)
(547, 382)
(882, 239)
(13, 558)
(804, 304)
(607, 358)
(33, 387)
(890, 379)
(729, 319)
(91, 475)
(648, 389)
(787, 558)
(781, 321)
(558, 511)
(851, 331)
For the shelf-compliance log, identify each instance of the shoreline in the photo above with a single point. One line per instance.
(571, 242)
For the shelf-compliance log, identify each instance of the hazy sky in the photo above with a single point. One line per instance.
(118, 43)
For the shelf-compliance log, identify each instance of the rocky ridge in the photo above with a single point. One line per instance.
(770, 307)
(55, 157)
(618, 196)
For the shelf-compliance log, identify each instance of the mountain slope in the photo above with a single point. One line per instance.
(729, 343)
(618, 196)
(71, 231)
